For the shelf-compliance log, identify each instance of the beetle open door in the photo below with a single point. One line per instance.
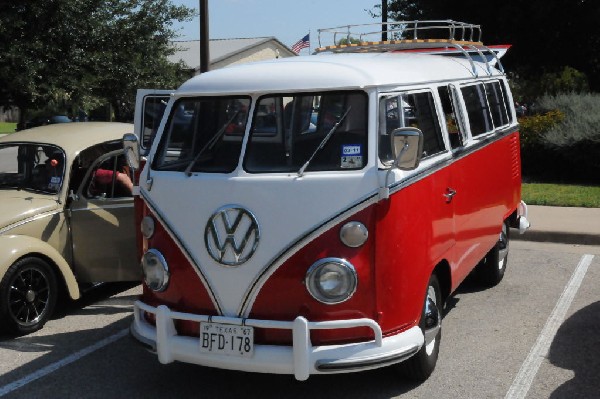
(102, 222)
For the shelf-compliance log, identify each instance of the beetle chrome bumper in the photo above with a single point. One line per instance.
(301, 359)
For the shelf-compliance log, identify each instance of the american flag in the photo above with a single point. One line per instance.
(300, 44)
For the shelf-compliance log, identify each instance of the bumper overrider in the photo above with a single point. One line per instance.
(302, 359)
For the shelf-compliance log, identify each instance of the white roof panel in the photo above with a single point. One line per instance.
(328, 72)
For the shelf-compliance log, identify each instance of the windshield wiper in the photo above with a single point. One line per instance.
(323, 142)
(210, 144)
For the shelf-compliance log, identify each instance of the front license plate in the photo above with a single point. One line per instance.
(226, 339)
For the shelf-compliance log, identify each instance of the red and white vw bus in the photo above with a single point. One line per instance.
(312, 215)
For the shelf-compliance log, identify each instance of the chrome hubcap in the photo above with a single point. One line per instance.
(433, 320)
(502, 247)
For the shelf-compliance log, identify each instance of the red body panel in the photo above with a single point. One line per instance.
(410, 234)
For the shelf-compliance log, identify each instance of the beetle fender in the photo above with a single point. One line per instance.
(14, 247)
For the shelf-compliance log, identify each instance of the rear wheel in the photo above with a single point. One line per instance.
(491, 268)
(421, 365)
(28, 293)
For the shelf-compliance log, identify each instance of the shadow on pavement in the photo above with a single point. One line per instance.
(577, 347)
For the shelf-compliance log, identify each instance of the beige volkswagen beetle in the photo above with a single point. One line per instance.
(66, 217)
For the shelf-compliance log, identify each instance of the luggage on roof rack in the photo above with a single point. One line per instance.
(432, 36)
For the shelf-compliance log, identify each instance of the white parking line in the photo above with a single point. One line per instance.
(530, 366)
(61, 363)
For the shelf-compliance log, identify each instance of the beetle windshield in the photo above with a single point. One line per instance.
(287, 130)
(32, 167)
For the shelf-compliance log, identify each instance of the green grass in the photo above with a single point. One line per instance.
(7, 127)
(561, 195)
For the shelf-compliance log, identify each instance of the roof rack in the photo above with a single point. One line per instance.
(431, 36)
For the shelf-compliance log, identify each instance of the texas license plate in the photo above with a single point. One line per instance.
(226, 339)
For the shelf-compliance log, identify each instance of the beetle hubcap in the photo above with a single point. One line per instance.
(28, 296)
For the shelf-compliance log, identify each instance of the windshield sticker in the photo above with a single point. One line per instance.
(54, 183)
(352, 157)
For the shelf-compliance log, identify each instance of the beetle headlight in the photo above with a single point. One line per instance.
(156, 271)
(331, 280)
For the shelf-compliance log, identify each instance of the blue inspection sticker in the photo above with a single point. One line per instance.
(352, 156)
(54, 183)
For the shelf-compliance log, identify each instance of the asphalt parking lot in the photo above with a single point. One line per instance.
(536, 335)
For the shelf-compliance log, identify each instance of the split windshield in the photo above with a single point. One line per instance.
(31, 167)
(290, 130)
(205, 134)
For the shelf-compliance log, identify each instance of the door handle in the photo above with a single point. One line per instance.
(449, 194)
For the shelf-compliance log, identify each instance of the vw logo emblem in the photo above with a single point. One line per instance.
(231, 235)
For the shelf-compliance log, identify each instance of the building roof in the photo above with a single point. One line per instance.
(219, 49)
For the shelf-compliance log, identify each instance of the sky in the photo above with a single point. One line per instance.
(286, 20)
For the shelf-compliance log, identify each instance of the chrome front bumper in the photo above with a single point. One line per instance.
(302, 359)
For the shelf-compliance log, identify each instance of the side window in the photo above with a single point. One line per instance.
(452, 116)
(480, 120)
(508, 105)
(111, 178)
(497, 104)
(409, 110)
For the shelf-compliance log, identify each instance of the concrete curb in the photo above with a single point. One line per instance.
(557, 237)
(562, 225)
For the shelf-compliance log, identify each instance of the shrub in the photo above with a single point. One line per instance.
(566, 80)
(533, 127)
(564, 148)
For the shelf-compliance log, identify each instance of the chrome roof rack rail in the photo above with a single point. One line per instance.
(431, 35)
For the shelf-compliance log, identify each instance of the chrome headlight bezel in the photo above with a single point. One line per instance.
(156, 271)
(326, 271)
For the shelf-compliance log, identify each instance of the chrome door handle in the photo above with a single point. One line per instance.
(449, 194)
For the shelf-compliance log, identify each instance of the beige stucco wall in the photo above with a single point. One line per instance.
(265, 51)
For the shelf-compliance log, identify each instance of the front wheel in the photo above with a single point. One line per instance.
(28, 293)
(421, 365)
(491, 268)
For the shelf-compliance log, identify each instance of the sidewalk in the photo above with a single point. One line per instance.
(562, 225)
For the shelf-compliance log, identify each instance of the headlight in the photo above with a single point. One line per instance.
(147, 227)
(354, 234)
(156, 271)
(331, 280)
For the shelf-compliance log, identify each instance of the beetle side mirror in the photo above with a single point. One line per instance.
(407, 147)
(132, 150)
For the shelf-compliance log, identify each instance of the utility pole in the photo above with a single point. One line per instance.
(204, 53)
(384, 12)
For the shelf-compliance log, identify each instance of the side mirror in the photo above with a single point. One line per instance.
(407, 147)
(132, 150)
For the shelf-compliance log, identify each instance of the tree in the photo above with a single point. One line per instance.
(547, 36)
(81, 52)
